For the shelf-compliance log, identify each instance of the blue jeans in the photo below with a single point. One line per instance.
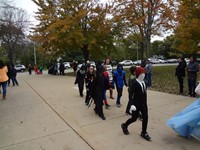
(149, 78)
(192, 86)
(4, 85)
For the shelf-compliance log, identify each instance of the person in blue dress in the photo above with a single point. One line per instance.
(187, 122)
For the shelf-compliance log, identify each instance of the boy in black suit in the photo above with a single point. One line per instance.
(138, 95)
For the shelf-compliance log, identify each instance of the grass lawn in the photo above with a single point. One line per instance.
(163, 79)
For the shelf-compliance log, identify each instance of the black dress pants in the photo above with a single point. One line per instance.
(135, 114)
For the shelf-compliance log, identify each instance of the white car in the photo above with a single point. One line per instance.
(126, 62)
(137, 62)
(67, 65)
(20, 67)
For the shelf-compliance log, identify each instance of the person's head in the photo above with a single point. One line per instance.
(192, 59)
(2, 64)
(148, 61)
(83, 67)
(107, 61)
(119, 67)
(140, 73)
(181, 59)
(91, 69)
(132, 69)
(100, 70)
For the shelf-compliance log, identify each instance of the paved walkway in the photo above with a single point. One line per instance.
(45, 112)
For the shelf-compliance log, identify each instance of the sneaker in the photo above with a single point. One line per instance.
(107, 106)
(146, 136)
(124, 129)
(118, 105)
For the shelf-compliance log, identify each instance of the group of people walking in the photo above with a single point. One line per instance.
(104, 80)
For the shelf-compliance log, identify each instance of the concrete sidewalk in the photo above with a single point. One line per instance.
(45, 112)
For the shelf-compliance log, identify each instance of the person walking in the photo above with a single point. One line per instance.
(89, 78)
(148, 70)
(180, 73)
(62, 68)
(119, 79)
(80, 76)
(138, 96)
(107, 86)
(30, 69)
(98, 91)
(130, 82)
(3, 78)
(14, 75)
(192, 70)
(108, 66)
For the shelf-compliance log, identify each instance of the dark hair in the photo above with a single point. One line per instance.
(1, 64)
(194, 58)
(182, 58)
(132, 69)
(119, 65)
(109, 61)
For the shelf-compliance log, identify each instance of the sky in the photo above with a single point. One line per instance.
(31, 7)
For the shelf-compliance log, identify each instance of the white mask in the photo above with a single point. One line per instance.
(141, 77)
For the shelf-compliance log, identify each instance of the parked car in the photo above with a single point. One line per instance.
(126, 62)
(137, 62)
(20, 67)
(113, 62)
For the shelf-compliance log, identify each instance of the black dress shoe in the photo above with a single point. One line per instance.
(124, 129)
(146, 136)
(102, 117)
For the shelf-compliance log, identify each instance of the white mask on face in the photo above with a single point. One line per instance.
(141, 77)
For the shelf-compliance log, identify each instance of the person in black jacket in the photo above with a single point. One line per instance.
(138, 95)
(13, 75)
(180, 72)
(80, 76)
(89, 78)
(98, 91)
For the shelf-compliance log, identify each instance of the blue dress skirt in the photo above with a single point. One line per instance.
(187, 122)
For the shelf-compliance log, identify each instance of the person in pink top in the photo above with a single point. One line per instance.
(3, 78)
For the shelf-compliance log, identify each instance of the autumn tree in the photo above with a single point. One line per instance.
(144, 18)
(13, 22)
(67, 25)
(188, 29)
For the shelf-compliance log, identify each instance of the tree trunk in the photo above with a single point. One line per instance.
(142, 50)
(85, 53)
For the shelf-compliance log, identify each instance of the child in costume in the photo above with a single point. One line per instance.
(138, 97)
(80, 76)
(130, 81)
(107, 86)
(98, 91)
(119, 79)
(89, 78)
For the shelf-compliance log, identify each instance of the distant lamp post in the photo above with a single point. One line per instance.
(35, 54)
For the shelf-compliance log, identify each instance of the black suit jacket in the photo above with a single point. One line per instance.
(137, 97)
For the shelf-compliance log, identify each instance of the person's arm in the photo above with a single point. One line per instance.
(124, 78)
